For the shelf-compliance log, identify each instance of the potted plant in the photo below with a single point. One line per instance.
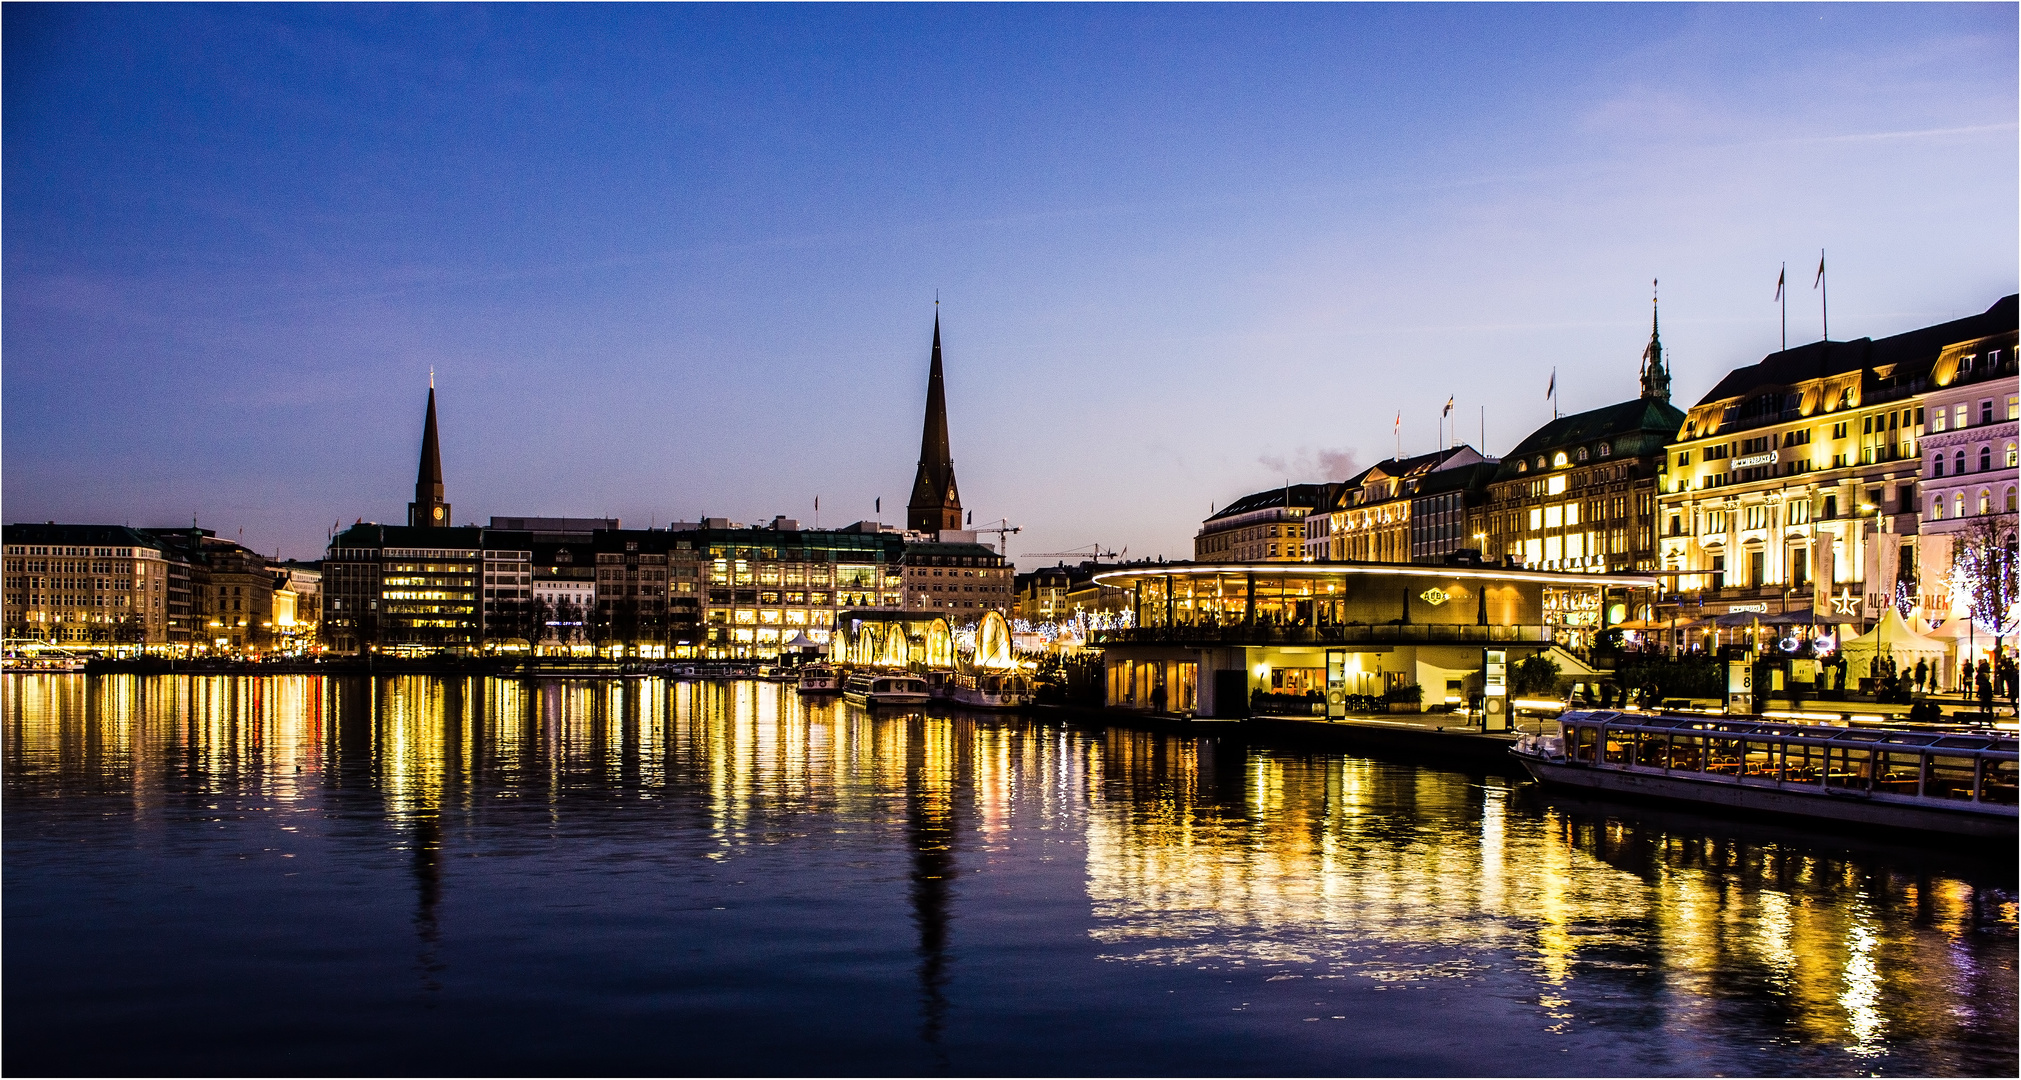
(1405, 699)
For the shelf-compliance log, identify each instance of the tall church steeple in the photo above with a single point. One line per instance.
(935, 504)
(1655, 377)
(428, 510)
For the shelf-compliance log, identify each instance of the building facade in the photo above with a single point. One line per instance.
(1795, 483)
(959, 579)
(89, 585)
(1971, 417)
(1579, 494)
(1268, 526)
(1369, 518)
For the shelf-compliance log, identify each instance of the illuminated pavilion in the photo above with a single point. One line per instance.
(1203, 636)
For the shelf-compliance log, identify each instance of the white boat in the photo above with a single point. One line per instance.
(988, 690)
(818, 679)
(1956, 783)
(877, 688)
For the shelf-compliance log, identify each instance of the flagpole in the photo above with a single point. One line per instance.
(1782, 294)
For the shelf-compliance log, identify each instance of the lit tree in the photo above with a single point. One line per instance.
(1983, 571)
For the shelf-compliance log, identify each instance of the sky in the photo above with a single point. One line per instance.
(668, 262)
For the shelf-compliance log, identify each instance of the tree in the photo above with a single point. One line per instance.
(537, 615)
(1983, 572)
(1537, 674)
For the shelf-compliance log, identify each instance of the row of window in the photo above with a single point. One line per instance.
(1958, 460)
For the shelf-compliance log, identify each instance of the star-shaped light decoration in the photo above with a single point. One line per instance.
(1845, 603)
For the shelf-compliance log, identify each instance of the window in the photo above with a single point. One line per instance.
(1986, 411)
(1683, 458)
(1799, 566)
(1937, 465)
(1985, 501)
(1582, 453)
(1719, 571)
(1839, 430)
(1937, 508)
(1799, 511)
(1958, 463)
(1985, 459)
(1958, 505)
(1937, 422)
(1958, 415)
(1757, 562)
(1831, 506)
(2014, 406)
(1606, 449)
(2012, 460)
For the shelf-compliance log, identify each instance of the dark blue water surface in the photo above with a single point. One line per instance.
(308, 875)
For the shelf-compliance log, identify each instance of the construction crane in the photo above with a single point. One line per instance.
(1097, 555)
(1003, 530)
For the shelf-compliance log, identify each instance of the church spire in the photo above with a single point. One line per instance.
(935, 503)
(1655, 377)
(428, 510)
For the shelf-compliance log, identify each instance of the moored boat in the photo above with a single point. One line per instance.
(1956, 783)
(818, 679)
(883, 688)
(989, 690)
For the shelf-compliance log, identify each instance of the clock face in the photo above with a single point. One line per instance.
(438, 513)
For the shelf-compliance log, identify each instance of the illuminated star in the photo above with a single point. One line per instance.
(1845, 603)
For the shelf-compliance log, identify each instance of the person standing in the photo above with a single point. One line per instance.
(1922, 674)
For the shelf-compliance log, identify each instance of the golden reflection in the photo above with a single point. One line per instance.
(1198, 853)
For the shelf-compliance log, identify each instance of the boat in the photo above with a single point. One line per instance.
(884, 688)
(988, 690)
(1959, 783)
(817, 679)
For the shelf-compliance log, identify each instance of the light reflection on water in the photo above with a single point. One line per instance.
(426, 860)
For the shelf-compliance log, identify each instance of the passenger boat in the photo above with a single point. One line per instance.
(879, 688)
(816, 679)
(988, 690)
(1960, 783)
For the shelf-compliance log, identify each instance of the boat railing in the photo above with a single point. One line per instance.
(1980, 768)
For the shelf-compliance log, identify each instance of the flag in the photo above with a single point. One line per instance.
(1820, 271)
(880, 504)
(817, 504)
(1779, 275)
(1552, 390)
(1449, 408)
(1398, 426)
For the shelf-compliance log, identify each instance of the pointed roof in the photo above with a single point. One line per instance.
(1655, 378)
(934, 484)
(429, 479)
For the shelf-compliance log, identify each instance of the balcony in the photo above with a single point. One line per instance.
(1269, 634)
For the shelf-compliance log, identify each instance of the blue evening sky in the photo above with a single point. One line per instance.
(675, 261)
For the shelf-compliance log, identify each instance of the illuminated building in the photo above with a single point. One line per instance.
(1580, 492)
(1373, 517)
(1200, 638)
(1041, 595)
(404, 588)
(1969, 456)
(1794, 483)
(1268, 526)
(935, 504)
(959, 580)
(83, 585)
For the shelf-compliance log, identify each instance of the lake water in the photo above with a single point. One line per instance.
(309, 875)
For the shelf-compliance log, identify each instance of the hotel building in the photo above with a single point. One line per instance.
(1794, 483)
(1374, 517)
(1969, 457)
(1579, 494)
(1268, 526)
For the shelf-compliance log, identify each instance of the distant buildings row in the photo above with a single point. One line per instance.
(1836, 474)
(712, 589)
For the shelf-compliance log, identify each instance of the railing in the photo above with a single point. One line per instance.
(1271, 634)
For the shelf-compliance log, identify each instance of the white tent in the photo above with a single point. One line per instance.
(1890, 637)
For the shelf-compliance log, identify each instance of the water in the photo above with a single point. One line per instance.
(286, 875)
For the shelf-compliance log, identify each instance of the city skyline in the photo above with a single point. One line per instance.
(655, 285)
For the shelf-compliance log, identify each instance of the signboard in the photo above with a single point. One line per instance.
(1755, 459)
(1742, 609)
(1494, 690)
(1824, 568)
(1739, 687)
(1336, 683)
